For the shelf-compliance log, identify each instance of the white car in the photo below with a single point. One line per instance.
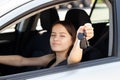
(23, 23)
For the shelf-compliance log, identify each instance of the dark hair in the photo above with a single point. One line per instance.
(70, 28)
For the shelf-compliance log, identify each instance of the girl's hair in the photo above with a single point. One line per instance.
(70, 28)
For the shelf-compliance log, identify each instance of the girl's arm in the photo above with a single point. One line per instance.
(16, 60)
(76, 52)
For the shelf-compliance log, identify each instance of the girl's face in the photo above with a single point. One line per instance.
(60, 39)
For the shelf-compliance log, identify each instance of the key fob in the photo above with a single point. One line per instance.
(83, 41)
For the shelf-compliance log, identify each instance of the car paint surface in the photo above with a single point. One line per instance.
(16, 10)
(108, 71)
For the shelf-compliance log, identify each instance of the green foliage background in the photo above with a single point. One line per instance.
(100, 1)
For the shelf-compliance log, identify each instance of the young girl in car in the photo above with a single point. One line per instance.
(64, 43)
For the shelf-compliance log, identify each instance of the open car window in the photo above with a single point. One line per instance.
(101, 17)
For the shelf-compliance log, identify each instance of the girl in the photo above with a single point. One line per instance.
(64, 44)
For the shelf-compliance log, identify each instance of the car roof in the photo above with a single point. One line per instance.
(9, 5)
(10, 11)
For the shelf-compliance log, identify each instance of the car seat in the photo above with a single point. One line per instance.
(47, 18)
(102, 44)
(40, 40)
(78, 18)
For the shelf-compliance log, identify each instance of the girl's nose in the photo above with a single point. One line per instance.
(56, 38)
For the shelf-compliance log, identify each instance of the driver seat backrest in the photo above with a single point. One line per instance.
(42, 44)
(77, 17)
(48, 18)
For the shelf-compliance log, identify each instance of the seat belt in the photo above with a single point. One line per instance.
(94, 4)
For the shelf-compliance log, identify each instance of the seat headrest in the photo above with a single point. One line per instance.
(48, 17)
(77, 17)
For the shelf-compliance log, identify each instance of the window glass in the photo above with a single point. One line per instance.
(38, 25)
(100, 13)
(8, 29)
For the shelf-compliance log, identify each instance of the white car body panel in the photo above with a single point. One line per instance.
(5, 5)
(108, 71)
(8, 5)
(18, 10)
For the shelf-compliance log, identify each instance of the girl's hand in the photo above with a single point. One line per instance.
(87, 29)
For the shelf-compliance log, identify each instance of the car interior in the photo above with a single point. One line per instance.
(31, 42)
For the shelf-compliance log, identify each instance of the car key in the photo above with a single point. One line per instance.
(84, 42)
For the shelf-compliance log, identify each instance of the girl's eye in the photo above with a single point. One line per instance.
(62, 35)
(53, 35)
